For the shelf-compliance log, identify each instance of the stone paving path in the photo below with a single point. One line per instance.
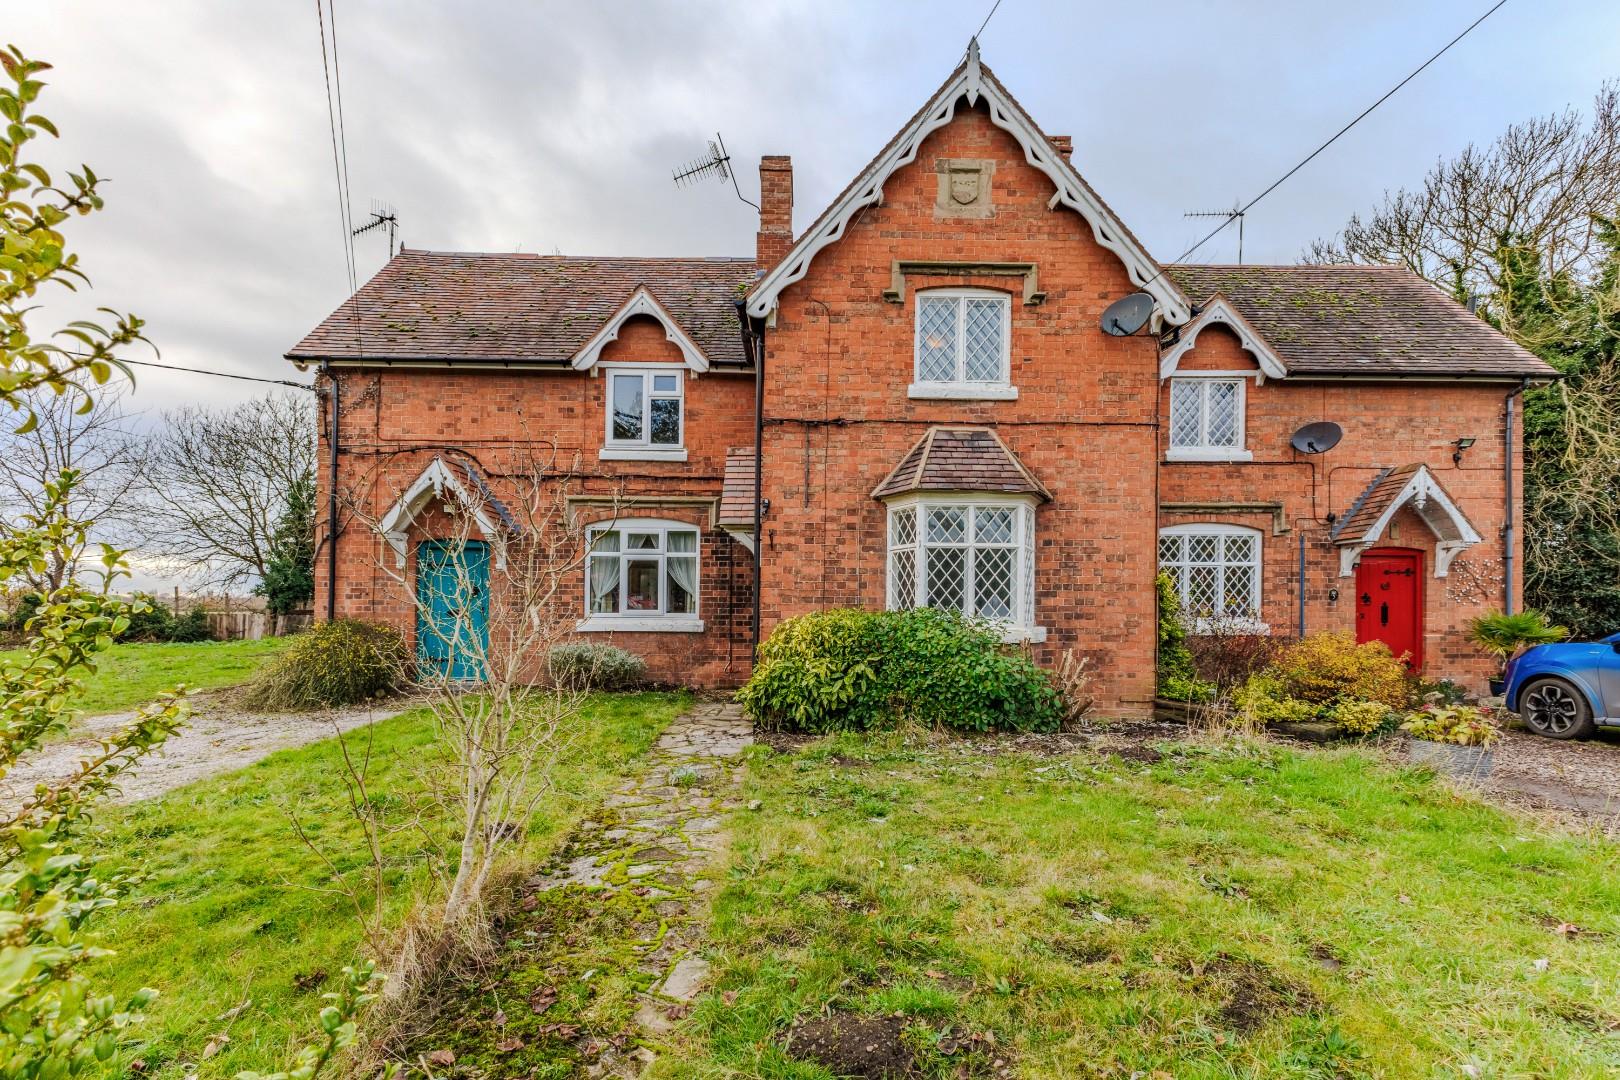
(661, 837)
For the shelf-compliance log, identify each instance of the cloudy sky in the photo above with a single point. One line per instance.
(553, 127)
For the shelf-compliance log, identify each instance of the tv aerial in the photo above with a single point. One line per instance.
(382, 214)
(1317, 438)
(716, 163)
(1236, 212)
(1125, 317)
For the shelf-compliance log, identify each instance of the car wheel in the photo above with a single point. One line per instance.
(1554, 708)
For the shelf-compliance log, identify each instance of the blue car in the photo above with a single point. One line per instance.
(1568, 690)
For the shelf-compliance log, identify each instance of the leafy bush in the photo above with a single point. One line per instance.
(1362, 717)
(1502, 635)
(1177, 678)
(192, 626)
(1330, 667)
(149, 620)
(1263, 699)
(333, 663)
(1462, 725)
(592, 666)
(849, 668)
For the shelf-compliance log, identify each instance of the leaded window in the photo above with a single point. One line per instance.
(962, 337)
(1206, 414)
(973, 557)
(1215, 568)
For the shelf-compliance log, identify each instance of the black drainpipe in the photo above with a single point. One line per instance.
(1301, 585)
(1507, 498)
(759, 479)
(331, 494)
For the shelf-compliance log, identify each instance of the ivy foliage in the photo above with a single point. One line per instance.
(868, 670)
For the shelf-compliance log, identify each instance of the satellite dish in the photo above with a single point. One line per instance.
(1317, 438)
(1125, 317)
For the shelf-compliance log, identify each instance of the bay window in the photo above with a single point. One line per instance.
(974, 554)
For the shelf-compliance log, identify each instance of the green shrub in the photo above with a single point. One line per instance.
(849, 668)
(1362, 717)
(1502, 635)
(1327, 668)
(1461, 725)
(149, 620)
(590, 666)
(1177, 677)
(334, 663)
(192, 626)
(1263, 699)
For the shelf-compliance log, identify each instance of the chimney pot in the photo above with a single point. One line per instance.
(775, 237)
(1063, 144)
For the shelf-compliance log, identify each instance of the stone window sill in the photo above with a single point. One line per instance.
(639, 624)
(929, 391)
(1208, 453)
(631, 453)
(1019, 635)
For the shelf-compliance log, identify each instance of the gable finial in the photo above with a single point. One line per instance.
(973, 72)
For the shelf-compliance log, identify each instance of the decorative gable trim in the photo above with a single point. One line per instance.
(1391, 490)
(972, 81)
(442, 481)
(1220, 310)
(641, 302)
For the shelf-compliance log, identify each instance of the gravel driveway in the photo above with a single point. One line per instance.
(216, 738)
(1577, 781)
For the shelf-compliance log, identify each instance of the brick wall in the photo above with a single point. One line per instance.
(839, 362)
(1385, 424)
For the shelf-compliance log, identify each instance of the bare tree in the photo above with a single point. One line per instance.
(218, 481)
(1537, 186)
(102, 445)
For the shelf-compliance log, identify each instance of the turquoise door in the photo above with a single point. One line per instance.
(452, 610)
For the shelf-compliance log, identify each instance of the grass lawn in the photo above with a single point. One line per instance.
(130, 675)
(1236, 911)
(227, 916)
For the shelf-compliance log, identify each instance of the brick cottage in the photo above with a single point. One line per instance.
(922, 381)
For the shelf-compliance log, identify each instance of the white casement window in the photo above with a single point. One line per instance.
(645, 413)
(963, 345)
(641, 575)
(1206, 419)
(1216, 570)
(971, 554)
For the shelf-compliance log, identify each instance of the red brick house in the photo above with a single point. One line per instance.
(941, 418)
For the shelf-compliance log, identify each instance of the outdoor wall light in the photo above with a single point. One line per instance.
(1460, 445)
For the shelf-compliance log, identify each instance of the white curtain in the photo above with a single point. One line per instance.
(683, 570)
(605, 584)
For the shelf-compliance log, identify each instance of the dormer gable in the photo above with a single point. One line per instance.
(642, 304)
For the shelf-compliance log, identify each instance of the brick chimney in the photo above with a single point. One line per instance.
(1063, 144)
(775, 209)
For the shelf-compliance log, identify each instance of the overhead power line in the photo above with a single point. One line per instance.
(220, 374)
(340, 149)
(988, 17)
(1237, 215)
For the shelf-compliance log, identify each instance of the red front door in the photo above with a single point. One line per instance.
(1389, 601)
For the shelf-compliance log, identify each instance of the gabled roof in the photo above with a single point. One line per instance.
(737, 495)
(1363, 525)
(1371, 321)
(961, 459)
(443, 479)
(972, 81)
(1220, 310)
(523, 308)
(641, 303)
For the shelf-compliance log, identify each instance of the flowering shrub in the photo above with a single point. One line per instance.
(1462, 725)
(1331, 667)
(1362, 717)
(334, 663)
(848, 668)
